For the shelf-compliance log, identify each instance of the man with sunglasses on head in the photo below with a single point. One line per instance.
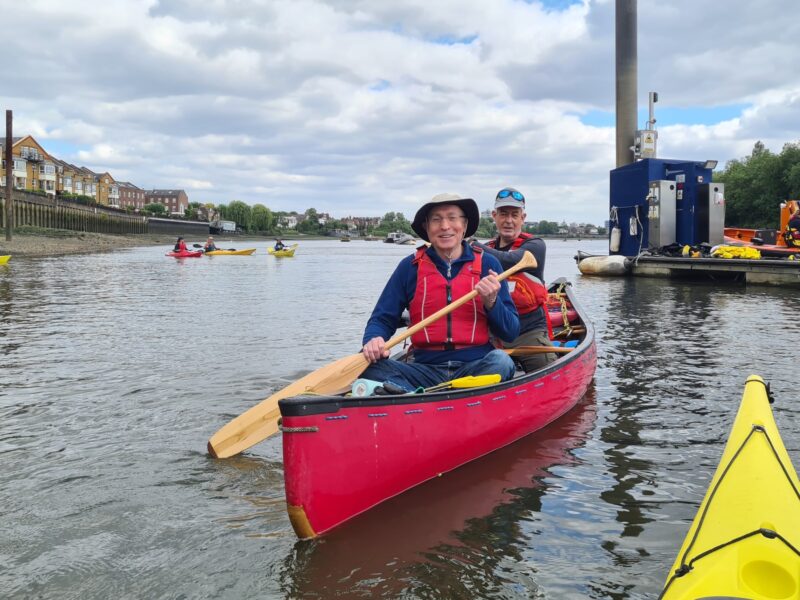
(527, 287)
(458, 344)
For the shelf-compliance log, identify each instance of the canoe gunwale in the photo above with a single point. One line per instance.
(297, 406)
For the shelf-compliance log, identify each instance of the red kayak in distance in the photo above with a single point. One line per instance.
(187, 254)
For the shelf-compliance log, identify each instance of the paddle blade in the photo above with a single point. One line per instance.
(475, 381)
(528, 261)
(469, 381)
(261, 421)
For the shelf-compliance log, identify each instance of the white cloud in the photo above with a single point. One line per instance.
(362, 107)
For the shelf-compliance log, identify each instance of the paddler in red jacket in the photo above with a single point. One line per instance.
(527, 287)
(457, 345)
(180, 245)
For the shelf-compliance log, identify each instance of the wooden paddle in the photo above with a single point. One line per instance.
(527, 350)
(261, 421)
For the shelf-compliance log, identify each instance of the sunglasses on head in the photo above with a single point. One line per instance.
(514, 194)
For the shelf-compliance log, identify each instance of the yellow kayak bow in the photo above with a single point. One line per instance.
(745, 539)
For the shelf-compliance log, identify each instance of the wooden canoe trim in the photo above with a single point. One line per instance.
(528, 350)
(300, 524)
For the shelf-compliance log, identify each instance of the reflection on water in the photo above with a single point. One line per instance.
(116, 368)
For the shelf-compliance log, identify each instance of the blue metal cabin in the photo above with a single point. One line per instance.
(695, 214)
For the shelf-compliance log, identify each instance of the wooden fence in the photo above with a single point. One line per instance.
(47, 213)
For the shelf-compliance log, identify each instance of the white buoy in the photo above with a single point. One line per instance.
(603, 265)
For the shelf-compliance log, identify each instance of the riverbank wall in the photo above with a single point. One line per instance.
(33, 210)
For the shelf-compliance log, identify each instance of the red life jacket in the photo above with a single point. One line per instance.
(465, 326)
(528, 293)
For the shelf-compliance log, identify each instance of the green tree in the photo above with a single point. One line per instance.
(262, 218)
(155, 208)
(486, 228)
(191, 211)
(394, 221)
(757, 184)
(239, 212)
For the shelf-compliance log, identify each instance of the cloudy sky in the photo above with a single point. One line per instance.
(358, 107)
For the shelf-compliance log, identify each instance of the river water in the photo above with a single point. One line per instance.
(116, 368)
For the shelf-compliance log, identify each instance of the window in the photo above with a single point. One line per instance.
(19, 165)
(49, 170)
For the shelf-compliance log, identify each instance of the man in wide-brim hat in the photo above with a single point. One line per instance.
(457, 344)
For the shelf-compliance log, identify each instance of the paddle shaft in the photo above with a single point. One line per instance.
(528, 261)
(261, 421)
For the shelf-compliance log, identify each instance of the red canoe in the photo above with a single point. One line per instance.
(186, 254)
(342, 456)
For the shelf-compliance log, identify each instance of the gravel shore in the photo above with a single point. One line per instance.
(59, 242)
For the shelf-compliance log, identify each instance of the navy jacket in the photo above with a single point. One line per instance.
(399, 290)
(534, 320)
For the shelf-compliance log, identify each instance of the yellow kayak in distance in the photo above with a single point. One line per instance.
(285, 252)
(246, 252)
(5, 259)
(744, 541)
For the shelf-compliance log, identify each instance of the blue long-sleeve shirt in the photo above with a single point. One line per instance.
(399, 290)
(507, 257)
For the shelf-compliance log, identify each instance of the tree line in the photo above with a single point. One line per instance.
(260, 219)
(756, 185)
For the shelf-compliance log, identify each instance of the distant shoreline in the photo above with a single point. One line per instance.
(36, 242)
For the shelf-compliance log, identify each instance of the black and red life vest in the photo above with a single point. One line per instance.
(465, 326)
(792, 233)
(527, 291)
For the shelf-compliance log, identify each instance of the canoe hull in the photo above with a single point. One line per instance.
(344, 456)
(189, 254)
(755, 488)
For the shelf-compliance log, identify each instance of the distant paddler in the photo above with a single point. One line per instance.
(210, 246)
(180, 245)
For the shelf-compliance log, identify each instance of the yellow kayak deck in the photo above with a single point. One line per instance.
(745, 539)
(246, 252)
(5, 259)
(285, 252)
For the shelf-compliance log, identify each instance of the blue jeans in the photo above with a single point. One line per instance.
(411, 376)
